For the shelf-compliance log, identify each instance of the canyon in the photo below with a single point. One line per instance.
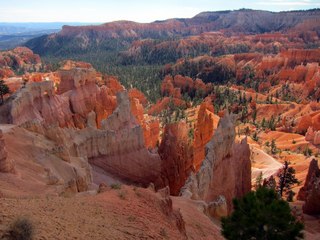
(225, 102)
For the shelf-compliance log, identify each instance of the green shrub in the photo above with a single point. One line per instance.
(115, 186)
(261, 215)
(21, 229)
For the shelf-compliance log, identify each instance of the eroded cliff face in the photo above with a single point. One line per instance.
(77, 96)
(203, 132)
(226, 169)
(313, 136)
(176, 154)
(149, 124)
(37, 101)
(88, 124)
(310, 192)
(118, 147)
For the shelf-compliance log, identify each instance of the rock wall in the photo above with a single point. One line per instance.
(176, 156)
(78, 96)
(150, 125)
(203, 132)
(313, 136)
(226, 169)
(310, 192)
(118, 147)
(37, 101)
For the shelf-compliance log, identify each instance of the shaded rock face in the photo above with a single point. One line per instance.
(310, 192)
(176, 156)
(6, 165)
(226, 169)
(119, 146)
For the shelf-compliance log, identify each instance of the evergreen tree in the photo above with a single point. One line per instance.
(4, 89)
(263, 123)
(259, 180)
(273, 147)
(270, 183)
(254, 115)
(261, 215)
(287, 179)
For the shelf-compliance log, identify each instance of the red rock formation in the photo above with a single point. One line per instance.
(78, 96)
(119, 146)
(151, 126)
(69, 64)
(298, 56)
(226, 170)
(203, 132)
(164, 103)
(309, 120)
(184, 83)
(135, 93)
(310, 192)
(113, 84)
(176, 156)
(37, 102)
(313, 136)
(19, 59)
(167, 88)
(14, 83)
(6, 165)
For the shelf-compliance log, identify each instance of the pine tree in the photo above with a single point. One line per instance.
(287, 179)
(259, 180)
(273, 147)
(261, 215)
(4, 89)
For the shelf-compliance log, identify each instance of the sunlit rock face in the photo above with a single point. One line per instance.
(203, 132)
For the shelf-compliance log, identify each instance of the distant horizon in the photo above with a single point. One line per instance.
(86, 22)
(142, 11)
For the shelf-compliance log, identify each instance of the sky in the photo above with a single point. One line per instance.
(134, 10)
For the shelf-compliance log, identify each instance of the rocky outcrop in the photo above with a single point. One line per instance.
(18, 59)
(309, 120)
(226, 169)
(165, 202)
(78, 95)
(118, 147)
(176, 156)
(135, 93)
(203, 132)
(6, 165)
(310, 192)
(164, 103)
(313, 136)
(150, 125)
(37, 101)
